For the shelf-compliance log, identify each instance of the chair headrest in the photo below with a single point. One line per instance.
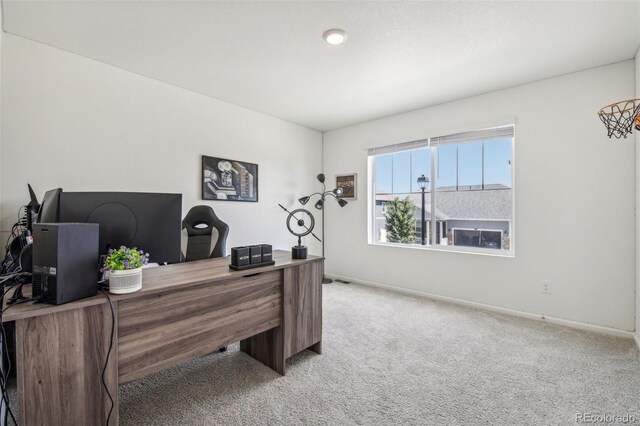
(199, 221)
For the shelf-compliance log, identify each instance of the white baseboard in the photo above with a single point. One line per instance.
(559, 321)
(636, 337)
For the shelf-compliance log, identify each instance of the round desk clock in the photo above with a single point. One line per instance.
(300, 223)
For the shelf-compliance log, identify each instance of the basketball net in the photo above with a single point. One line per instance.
(621, 117)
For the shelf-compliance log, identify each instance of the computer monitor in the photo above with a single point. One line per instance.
(149, 221)
(50, 208)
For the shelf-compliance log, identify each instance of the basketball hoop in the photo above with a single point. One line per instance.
(620, 117)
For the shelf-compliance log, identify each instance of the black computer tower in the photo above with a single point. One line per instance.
(65, 261)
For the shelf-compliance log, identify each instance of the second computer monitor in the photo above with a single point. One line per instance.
(149, 221)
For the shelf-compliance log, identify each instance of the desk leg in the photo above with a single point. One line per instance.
(59, 359)
(266, 347)
(302, 308)
(317, 348)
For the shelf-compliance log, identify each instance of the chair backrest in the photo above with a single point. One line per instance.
(201, 224)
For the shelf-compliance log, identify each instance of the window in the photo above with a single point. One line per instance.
(468, 198)
(477, 238)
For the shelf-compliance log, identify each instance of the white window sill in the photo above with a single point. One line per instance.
(451, 249)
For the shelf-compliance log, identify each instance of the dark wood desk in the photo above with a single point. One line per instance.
(183, 311)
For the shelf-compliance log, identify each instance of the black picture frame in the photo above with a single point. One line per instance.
(224, 179)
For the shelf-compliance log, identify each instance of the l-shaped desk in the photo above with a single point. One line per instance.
(183, 311)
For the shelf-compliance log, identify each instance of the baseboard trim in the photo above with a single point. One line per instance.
(559, 321)
(636, 337)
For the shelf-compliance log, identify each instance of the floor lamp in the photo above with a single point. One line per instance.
(335, 193)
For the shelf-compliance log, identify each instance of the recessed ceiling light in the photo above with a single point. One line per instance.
(334, 36)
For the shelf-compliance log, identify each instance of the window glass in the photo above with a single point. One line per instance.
(466, 237)
(446, 176)
(383, 168)
(402, 172)
(420, 165)
(490, 239)
(470, 166)
(497, 163)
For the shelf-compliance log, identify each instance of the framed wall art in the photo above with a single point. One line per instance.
(348, 184)
(229, 180)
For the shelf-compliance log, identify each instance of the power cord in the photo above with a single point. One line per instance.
(5, 374)
(19, 280)
(8, 263)
(18, 297)
(106, 362)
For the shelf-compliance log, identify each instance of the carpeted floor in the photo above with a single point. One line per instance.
(395, 359)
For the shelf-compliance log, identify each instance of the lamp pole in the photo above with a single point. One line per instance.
(323, 227)
(320, 205)
(422, 184)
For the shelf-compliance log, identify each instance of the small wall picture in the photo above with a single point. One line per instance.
(348, 185)
(229, 180)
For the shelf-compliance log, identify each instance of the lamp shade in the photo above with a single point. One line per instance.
(319, 204)
(423, 181)
(338, 191)
(342, 202)
(320, 178)
(304, 200)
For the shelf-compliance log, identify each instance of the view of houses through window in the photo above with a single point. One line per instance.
(468, 191)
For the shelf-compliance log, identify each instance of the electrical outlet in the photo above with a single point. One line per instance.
(546, 287)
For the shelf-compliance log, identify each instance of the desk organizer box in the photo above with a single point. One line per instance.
(248, 257)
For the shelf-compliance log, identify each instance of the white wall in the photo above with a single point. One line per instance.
(575, 202)
(79, 124)
(637, 63)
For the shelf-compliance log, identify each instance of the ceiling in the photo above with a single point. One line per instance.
(400, 56)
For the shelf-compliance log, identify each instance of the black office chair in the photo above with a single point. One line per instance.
(199, 223)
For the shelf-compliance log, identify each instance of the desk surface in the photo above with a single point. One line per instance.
(155, 280)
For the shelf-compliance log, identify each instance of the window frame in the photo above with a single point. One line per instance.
(371, 199)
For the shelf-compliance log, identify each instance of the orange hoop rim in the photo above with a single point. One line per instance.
(635, 104)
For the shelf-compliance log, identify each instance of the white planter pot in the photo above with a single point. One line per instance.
(123, 282)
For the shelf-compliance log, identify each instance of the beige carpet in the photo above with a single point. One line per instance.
(396, 359)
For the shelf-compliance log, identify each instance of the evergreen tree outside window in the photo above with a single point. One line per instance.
(400, 223)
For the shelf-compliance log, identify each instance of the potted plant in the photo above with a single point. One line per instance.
(123, 267)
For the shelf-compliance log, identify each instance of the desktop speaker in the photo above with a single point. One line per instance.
(65, 261)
